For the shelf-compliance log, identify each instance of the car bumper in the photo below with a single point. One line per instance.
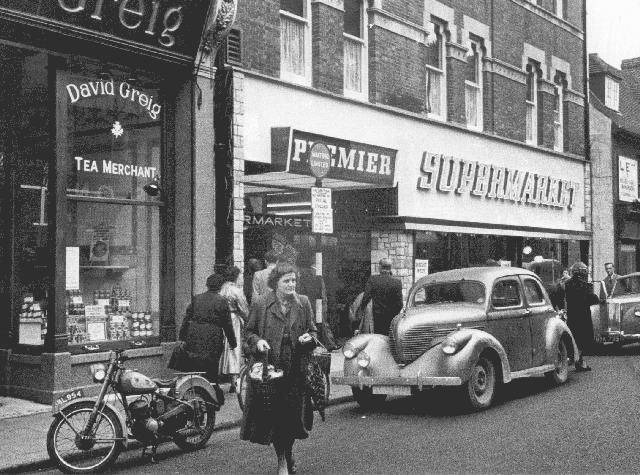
(389, 381)
(618, 337)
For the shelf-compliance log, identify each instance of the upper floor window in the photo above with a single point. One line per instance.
(532, 104)
(611, 93)
(558, 112)
(295, 41)
(473, 86)
(355, 50)
(436, 72)
(559, 8)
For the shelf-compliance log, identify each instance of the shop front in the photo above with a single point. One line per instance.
(93, 168)
(457, 198)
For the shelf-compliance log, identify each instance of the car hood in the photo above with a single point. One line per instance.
(444, 313)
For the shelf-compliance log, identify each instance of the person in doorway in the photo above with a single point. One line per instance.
(253, 266)
(281, 325)
(206, 324)
(386, 293)
(610, 279)
(579, 297)
(231, 359)
(261, 277)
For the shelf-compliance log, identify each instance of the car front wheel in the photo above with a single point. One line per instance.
(481, 387)
(561, 362)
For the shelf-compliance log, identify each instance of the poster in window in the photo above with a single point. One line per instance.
(73, 268)
(627, 179)
(421, 268)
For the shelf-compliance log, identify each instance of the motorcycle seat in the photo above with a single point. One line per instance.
(165, 383)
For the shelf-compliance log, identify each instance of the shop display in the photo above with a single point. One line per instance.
(109, 317)
(33, 321)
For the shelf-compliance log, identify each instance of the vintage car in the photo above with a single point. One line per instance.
(617, 319)
(473, 328)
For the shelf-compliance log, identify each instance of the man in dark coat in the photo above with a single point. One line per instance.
(579, 297)
(386, 293)
(206, 323)
(611, 277)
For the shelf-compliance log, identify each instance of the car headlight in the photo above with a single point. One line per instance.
(363, 359)
(455, 342)
(348, 351)
(99, 372)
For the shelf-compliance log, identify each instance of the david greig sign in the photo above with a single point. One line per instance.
(299, 152)
(171, 25)
(447, 174)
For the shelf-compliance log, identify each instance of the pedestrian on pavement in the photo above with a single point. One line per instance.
(261, 277)
(231, 359)
(557, 291)
(579, 297)
(386, 293)
(253, 266)
(610, 279)
(206, 324)
(281, 325)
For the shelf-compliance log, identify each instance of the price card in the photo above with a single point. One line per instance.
(94, 311)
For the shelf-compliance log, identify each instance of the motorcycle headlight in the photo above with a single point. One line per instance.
(363, 359)
(348, 351)
(99, 372)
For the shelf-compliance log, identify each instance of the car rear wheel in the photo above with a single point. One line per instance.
(365, 397)
(481, 387)
(561, 362)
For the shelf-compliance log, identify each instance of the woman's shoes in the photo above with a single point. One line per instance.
(580, 368)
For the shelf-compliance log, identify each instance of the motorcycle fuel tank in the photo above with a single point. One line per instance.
(132, 382)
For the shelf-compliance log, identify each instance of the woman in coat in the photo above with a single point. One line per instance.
(204, 328)
(232, 357)
(281, 327)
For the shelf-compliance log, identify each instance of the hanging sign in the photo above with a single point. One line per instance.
(627, 179)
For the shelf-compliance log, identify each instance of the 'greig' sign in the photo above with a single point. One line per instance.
(447, 174)
(354, 161)
(174, 26)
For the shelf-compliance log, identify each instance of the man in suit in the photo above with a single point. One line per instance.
(386, 293)
(611, 277)
(261, 277)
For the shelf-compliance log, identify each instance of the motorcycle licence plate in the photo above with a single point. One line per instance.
(66, 398)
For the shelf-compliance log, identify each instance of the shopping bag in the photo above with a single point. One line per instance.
(180, 359)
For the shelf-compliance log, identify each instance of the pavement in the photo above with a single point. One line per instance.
(24, 424)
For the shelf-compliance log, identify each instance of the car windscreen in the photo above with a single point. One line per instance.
(627, 286)
(467, 291)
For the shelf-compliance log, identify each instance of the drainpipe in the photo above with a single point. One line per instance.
(587, 134)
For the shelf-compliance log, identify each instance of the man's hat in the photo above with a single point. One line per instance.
(385, 263)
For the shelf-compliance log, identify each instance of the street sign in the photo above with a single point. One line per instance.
(320, 198)
(322, 221)
(319, 160)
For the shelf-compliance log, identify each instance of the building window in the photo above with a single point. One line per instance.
(611, 93)
(532, 104)
(355, 50)
(559, 8)
(436, 77)
(110, 135)
(473, 86)
(295, 41)
(558, 113)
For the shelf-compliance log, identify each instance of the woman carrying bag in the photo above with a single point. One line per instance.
(280, 332)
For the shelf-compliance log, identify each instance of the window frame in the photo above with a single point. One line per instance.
(611, 93)
(531, 136)
(559, 8)
(525, 280)
(289, 76)
(558, 116)
(477, 86)
(363, 41)
(439, 29)
(520, 295)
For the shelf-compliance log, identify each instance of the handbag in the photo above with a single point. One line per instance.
(263, 379)
(180, 359)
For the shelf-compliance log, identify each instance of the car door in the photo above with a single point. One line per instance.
(540, 311)
(508, 321)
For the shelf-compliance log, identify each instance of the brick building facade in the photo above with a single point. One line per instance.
(476, 99)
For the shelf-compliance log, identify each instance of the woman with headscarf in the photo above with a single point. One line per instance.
(281, 330)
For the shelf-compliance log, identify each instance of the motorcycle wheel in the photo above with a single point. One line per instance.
(74, 454)
(201, 427)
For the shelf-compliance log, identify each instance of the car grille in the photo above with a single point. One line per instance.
(415, 341)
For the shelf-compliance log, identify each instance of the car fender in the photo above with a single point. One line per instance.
(106, 404)
(435, 363)
(557, 329)
(378, 347)
(190, 381)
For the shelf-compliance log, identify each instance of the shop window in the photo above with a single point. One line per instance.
(436, 72)
(532, 104)
(295, 41)
(473, 86)
(355, 50)
(109, 129)
(611, 93)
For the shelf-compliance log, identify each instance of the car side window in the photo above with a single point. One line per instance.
(506, 293)
(533, 292)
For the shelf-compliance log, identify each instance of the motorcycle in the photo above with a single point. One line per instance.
(87, 434)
